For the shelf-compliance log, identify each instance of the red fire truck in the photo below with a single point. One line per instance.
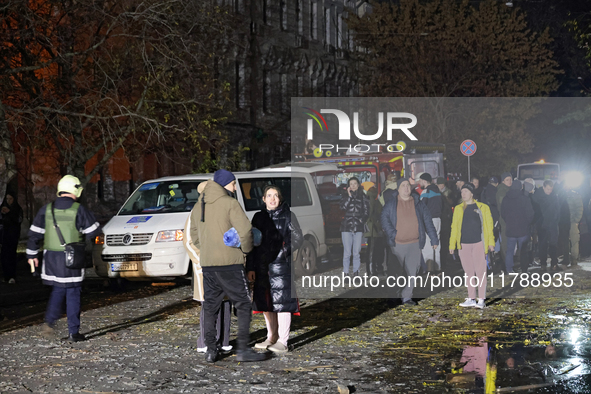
(412, 159)
(373, 167)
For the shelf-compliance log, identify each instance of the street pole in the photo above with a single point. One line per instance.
(469, 169)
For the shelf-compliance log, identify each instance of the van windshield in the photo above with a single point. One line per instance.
(538, 172)
(162, 197)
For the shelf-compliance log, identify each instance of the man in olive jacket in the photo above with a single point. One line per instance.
(223, 266)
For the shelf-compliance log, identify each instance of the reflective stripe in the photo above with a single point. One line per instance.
(37, 229)
(32, 252)
(90, 229)
(73, 279)
(63, 280)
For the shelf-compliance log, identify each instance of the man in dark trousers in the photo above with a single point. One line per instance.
(433, 200)
(74, 221)
(489, 197)
(518, 213)
(502, 189)
(547, 226)
(406, 222)
(223, 266)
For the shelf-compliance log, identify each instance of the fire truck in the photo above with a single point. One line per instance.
(372, 169)
(411, 159)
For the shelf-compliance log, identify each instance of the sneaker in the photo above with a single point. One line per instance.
(278, 348)
(11, 281)
(227, 348)
(47, 331)
(409, 303)
(264, 345)
(77, 337)
(202, 349)
(468, 303)
(480, 304)
(249, 355)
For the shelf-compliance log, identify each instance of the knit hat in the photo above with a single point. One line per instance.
(529, 185)
(440, 180)
(516, 185)
(493, 179)
(399, 181)
(505, 175)
(426, 177)
(223, 177)
(469, 186)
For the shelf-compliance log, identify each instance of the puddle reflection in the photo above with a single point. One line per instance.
(561, 366)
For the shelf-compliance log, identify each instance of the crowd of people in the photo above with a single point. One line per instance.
(486, 226)
(413, 225)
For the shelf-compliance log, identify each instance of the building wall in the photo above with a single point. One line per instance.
(293, 48)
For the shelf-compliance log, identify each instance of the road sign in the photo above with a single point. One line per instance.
(468, 148)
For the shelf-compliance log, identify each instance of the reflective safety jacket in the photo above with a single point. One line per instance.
(53, 270)
(66, 220)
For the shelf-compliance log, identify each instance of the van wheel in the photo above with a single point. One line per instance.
(306, 264)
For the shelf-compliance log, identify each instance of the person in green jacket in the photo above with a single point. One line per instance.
(472, 234)
(216, 212)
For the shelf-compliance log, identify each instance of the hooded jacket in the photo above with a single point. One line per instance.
(208, 226)
(271, 261)
(356, 209)
(426, 227)
(489, 197)
(550, 209)
(389, 188)
(517, 211)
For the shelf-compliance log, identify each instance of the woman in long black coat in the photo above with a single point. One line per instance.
(12, 217)
(269, 266)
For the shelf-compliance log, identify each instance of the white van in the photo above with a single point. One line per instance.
(144, 239)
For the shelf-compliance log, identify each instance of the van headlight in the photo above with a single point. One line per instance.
(169, 236)
(99, 239)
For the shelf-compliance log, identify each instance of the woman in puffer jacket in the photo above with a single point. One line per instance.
(269, 266)
(356, 207)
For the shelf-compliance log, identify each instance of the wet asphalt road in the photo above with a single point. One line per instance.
(143, 340)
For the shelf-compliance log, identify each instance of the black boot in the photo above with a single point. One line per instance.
(249, 355)
(77, 337)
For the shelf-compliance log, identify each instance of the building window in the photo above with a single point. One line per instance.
(238, 6)
(340, 31)
(313, 19)
(283, 12)
(267, 11)
(266, 91)
(299, 19)
(327, 26)
(240, 86)
(300, 86)
(285, 96)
